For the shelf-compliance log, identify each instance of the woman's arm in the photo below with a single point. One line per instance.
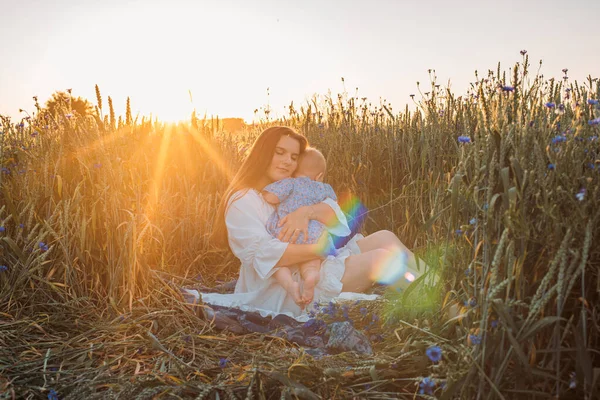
(250, 241)
(296, 222)
(299, 253)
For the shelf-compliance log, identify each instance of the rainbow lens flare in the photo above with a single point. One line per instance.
(355, 213)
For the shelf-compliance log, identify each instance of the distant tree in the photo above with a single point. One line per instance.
(69, 104)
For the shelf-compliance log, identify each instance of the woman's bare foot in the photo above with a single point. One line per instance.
(310, 278)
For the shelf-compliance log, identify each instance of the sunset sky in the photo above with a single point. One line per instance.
(228, 52)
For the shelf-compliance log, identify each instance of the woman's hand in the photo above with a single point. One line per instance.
(293, 224)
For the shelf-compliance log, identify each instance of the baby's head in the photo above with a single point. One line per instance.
(311, 164)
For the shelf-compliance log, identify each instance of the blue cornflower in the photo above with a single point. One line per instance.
(494, 323)
(21, 226)
(345, 312)
(363, 311)
(551, 166)
(467, 271)
(472, 302)
(508, 89)
(21, 125)
(580, 195)
(572, 380)
(550, 104)
(473, 221)
(52, 395)
(68, 115)
(458, 232)
(223, 362)
(3, 268)
(2, 229)
(434, 353)
(309, 323)
(43, 246)
(560, 110)
(592, 102)
(427, 386)
(464, 139)
(475, 340)
(5, 170)
(558, 139)
(594, 121)
(34, 134)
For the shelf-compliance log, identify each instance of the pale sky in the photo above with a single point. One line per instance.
(228, 52)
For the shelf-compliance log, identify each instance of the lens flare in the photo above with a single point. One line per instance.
(355, 213)
(393, 269)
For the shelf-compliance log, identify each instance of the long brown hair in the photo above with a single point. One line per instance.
(251, 172)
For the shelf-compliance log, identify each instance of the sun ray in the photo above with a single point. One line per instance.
(101, 141)
(213, 154)
(159, 170)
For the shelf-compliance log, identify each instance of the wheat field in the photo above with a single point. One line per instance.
(496, 188)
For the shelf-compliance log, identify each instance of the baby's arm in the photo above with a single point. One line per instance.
(277, 192)
(270, 198)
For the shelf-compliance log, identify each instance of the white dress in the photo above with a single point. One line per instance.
(256, 288)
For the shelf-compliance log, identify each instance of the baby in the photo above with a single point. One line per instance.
(306, 188)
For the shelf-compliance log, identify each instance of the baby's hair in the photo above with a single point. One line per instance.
(311, 162)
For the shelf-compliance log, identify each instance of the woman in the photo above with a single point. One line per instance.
(241, 219)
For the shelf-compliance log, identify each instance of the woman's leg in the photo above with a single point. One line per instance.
(377, 250)
(389, 241)
(381, 240)
(362, 269)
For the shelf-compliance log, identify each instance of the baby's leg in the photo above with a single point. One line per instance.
(283, 276)
(310, 272)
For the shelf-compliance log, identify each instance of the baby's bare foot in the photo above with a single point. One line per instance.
(293, 289)
(311, 278)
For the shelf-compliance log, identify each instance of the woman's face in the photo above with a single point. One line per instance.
(285, 159)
